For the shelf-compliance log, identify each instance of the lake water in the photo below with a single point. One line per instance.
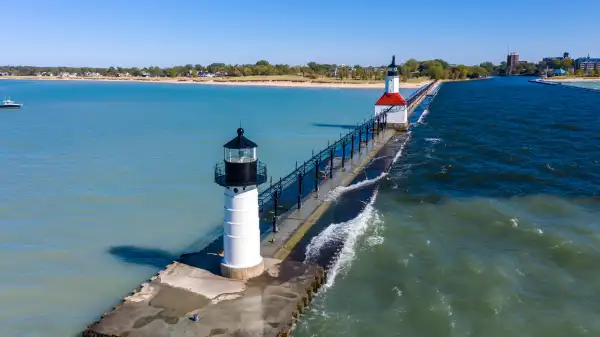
(587, 84)
(87, 167)
(487, 225)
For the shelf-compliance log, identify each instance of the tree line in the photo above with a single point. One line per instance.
(412, 68)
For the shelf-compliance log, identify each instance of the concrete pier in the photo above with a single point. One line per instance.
(191, 298)
(264, 306)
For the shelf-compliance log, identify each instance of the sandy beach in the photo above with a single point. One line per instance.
(232, 82)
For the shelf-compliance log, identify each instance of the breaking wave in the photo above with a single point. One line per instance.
(338, 191)
(422, 117)
(346, 235)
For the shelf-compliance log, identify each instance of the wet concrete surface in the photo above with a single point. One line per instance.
(258, 307)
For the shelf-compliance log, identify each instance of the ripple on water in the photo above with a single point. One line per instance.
(463, 267)
(492, 231)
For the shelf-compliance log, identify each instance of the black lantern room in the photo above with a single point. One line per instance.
(240, 165)
(392, 68)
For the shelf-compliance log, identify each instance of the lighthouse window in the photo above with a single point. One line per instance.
(244, 155)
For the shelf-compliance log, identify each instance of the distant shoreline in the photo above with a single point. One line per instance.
(228, 82)
(573, 79)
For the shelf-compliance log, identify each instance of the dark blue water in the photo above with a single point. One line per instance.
(507, 137)
(487, 225)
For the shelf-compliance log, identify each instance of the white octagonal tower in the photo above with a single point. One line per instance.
(391, 101)
(240, 174)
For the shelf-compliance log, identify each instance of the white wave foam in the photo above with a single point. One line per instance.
(399, 154)
(422, 117)
(433, 140)
(338, 191)
(355, 229)
(376, 238)
(329, 235)
(380, 157)
(346, 232)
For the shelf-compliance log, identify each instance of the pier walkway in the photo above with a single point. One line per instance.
(270, 304)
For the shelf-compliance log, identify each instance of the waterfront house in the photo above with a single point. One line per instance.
(559, 72)
(206, 74)
(587, 64)
(549, 60)
(67, 75)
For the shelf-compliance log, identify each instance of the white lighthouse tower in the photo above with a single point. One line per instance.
(240, 174)
(391, 101)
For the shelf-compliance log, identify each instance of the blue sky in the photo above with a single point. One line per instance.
(164, 33)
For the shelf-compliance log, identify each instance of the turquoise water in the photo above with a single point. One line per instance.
(87, 166)
(587, 84)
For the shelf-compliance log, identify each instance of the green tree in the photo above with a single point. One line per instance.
(488, 66)
(411, 65)
(556, 64)
(135, 71)
(463, 71)
(566, 64)
(112, 71)
(436, 72)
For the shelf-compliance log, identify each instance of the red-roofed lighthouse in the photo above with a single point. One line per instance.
(391, 101)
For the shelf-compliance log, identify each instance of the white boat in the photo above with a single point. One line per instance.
(7, 103)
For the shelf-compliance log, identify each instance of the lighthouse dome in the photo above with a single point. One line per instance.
(392, 68)
(240, 163)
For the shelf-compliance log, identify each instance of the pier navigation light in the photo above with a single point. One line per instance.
(240, 174)
(392, 102)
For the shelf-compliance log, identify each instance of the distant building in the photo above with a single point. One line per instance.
(206, 74)
(67, 75)
(512, 60)
(587, 64)
(549, 59)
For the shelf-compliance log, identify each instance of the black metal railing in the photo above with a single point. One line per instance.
(241, 174)
(419, 93)
(289, 192)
